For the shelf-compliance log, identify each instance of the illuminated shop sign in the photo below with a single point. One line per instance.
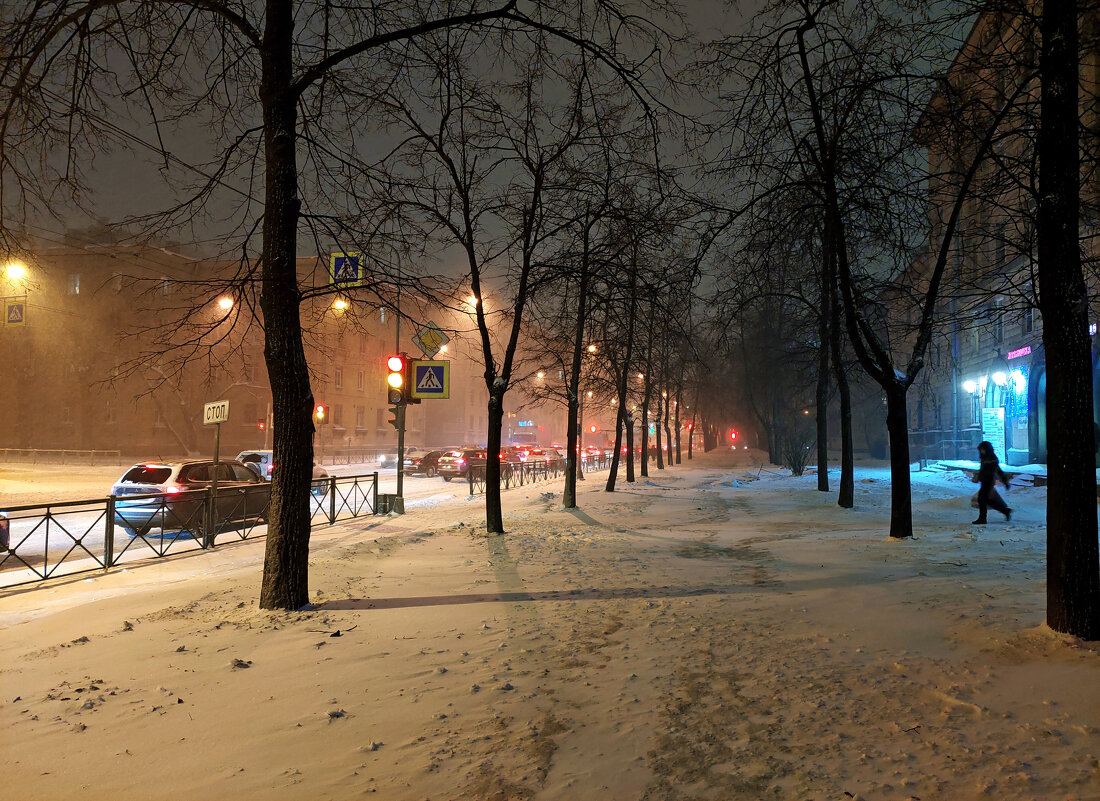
(1016, 354)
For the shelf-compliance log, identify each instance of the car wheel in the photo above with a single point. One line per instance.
(133, 531)
(430, 472)
(447, 478)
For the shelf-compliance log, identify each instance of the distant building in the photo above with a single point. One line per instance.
(985, 374)
(84, 369)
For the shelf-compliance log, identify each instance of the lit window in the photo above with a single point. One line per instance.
(74, 284)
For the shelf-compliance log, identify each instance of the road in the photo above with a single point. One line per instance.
(69, 538)
(66, 531)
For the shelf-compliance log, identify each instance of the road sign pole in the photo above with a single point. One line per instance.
(211, 511)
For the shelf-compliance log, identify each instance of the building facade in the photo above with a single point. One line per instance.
(985, 372)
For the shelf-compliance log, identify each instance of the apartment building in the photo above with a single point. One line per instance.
(985, 375)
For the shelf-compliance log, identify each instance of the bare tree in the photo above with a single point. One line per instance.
(260, 73)
(1073, 564)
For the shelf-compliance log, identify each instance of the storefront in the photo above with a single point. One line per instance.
(1006, 400)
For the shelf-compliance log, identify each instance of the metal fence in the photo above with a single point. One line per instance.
(45, 541)
(513, 474)
(59, 456)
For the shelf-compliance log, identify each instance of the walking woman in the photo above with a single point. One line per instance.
(988, 474)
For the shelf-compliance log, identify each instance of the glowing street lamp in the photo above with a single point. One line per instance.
(225, 304)
(15, 272)
(339, 304)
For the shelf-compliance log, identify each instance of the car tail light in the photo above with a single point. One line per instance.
(173, 489)
(460, 461)
(271, 468)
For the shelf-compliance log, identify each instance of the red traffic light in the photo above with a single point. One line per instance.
(261, 425)
(733, 435)
(593, 429)
(395, 381)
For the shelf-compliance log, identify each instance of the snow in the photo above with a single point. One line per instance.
(717, 630)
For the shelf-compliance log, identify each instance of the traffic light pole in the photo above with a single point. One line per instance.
(399, 500)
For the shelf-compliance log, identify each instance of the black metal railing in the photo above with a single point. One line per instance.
(43, 541)
(518, 474)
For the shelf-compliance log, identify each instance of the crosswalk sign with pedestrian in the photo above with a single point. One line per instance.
(15, 312)
(431, 379)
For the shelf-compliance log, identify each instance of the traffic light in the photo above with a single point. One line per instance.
(593, 428)
(260, 424)
(395, 421)
(319, 412)
(395, 381)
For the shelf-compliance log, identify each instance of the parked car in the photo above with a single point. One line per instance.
(456, 463)
(514, 454)
(263, 463)
(179, 495)
(423, 462)
(545, 455)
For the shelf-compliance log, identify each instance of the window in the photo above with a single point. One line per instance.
(338, 378)
(360, 381)
(337, 415)
(1029, 321)
(360, 416)
(166, 285)
(383, 313)
(110, 418)
(73, 286)
(158, 417)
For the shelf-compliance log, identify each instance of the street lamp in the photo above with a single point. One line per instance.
(225, 304)
(15, 272)
(339, 304)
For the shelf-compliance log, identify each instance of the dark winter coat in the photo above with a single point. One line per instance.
(990, 470)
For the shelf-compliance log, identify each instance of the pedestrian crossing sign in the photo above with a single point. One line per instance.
(431, 379)
(346, 269)
(15, 311)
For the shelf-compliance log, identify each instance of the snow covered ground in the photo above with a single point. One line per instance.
(716, 631)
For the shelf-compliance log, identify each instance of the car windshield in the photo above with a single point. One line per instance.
(147, 474)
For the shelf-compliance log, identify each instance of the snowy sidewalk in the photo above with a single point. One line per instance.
(702, 633)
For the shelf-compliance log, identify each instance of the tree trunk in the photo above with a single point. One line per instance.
(1073, 569)
(676, 423)
(494, 517)
(569, 495)
(822, 392)
(658, 437)
(285, 582)
(901, 498)
(846, 496)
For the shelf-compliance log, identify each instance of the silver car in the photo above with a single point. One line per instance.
(171, 496)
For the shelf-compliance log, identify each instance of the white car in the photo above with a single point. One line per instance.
(263, 463)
